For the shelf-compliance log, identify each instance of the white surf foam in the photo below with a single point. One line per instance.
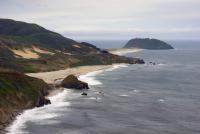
(94, 98)
(136, 91)
(124, 95)
(39, 115)
(90, 78)
(161, 100)
(161, 64)
(117, 66)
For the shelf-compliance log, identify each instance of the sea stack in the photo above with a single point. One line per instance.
(72, 82)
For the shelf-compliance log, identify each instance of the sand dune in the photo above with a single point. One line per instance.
(77, 46)
(30, 53)
(25, 53)
(36, 49)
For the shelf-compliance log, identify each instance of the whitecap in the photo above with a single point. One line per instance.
(94, 98)
(124, 95)
(161, 100)
(49, 122)
(117, 66)
(161, 64)
(136, 91)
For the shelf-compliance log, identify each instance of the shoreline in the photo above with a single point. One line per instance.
(121, 51)
(53, 76)
(50, 78)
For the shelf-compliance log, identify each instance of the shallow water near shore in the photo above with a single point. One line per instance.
(143, 99)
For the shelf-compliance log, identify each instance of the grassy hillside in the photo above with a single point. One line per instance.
(31, 48)
(24, 34)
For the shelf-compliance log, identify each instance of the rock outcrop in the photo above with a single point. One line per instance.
(72, 82)
(84, 94)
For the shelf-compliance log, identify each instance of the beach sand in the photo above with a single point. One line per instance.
(121, 51)
(51, 77)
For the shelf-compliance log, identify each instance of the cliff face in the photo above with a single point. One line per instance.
(147, 44)
(19, 92)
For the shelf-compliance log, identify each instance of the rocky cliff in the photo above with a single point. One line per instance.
(19, 92)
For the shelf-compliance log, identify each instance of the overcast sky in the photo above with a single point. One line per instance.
(110, 19)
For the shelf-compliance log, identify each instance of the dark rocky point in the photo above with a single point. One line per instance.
(147, 43)
(42, 101)
(84, 94)
(19, 92)
(72, 82)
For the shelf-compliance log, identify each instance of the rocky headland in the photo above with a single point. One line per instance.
(153, 44)
(19, 92)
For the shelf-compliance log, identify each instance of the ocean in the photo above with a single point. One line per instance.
(127, 99)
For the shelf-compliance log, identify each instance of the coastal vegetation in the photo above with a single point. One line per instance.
(26, 47)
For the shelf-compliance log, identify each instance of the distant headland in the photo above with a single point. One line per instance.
(146, 43)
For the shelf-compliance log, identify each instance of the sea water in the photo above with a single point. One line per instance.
(127, 99)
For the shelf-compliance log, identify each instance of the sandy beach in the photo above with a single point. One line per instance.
(51, 77)
(120, 51)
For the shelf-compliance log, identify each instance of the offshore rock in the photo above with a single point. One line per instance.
(72, 82)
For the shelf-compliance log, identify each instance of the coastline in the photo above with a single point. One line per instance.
(50, 78)
(53, 77)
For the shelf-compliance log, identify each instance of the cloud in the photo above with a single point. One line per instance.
(138, 17)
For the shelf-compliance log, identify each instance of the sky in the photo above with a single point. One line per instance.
(110, 19)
